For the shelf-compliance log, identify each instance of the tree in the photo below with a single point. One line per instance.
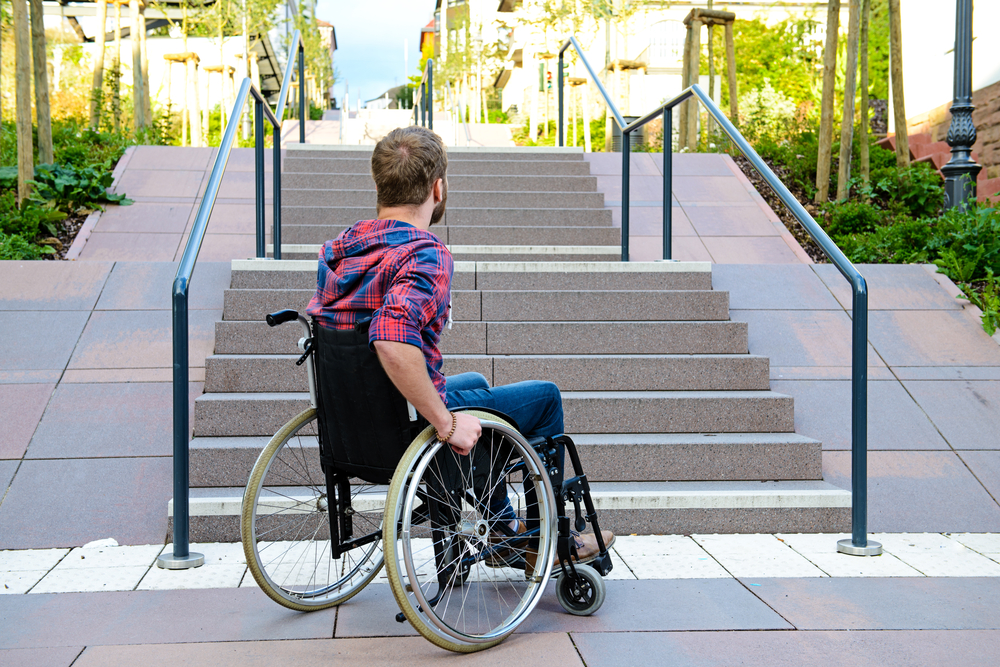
(850, 83)
(97, 90)
(826, 107)
(22, 60)
(43, 111)
(896, 76)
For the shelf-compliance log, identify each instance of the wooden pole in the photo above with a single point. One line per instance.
(685, 82)
(22, 85)
(97, 89)
(147, 103)
(196, 136)
(586, 118)
(43, 112)
(694, 76)
(138, 96)
(731, 68)
(711, 70)
(116, 71)
(850, 84)
(896, 75)
(826, 108)
(863, 49)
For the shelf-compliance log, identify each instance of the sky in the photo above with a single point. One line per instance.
(370, 34)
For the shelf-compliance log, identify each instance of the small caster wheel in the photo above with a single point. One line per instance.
(583, 594)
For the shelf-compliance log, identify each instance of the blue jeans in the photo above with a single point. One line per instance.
(536, 407)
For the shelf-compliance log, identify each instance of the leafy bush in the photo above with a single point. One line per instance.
(916, 190)
(26, 220)
(852, 217)
(69, 188)
(987, 300)
(765, 112)
(15, 247)
(967, 243)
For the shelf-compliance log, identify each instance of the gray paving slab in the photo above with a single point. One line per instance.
(918, 492)
(148, 286)
(224, 247)
(528, 650)
(895, 421)
(170, 158)
(802, 338)
(51, 285)
(40, 340)
(680, 604)
(36, 657)
(130, 247)
(141, 339)
(986, 467)
(709, 189)
(21, 408)
(7, 470)
(146, 617)
(931, 338)
(146, 217)
(695, 164)
(70, 502)
(773, 287)
(891, 287)
(890, 603)
(160, 183)
(648, 221)
(966, 412)
(234, 219)
(928, 648)
(730, 220)
(108, 420)
(609, 163)
(758, 249)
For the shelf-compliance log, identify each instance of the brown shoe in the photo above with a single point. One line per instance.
(512, 549)
(586, 551)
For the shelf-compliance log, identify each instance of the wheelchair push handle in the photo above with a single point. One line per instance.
(280, 317)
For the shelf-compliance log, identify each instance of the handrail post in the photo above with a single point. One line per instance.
(276, 194)
(258, 149)
(430, 93)
(181, 558)
(560, 84)
(625, 192)
(302, 94)
(668, 177)
(423, 104)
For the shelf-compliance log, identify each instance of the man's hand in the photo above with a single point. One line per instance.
(406, 367)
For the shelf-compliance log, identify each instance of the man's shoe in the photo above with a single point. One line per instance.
(507, 551)
(586, 551)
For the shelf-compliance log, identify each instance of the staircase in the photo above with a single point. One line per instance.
(924, 149)
(678, 429)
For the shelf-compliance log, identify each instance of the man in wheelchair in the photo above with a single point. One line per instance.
(392, 276)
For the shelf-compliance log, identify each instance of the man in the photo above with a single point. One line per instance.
(398, 273)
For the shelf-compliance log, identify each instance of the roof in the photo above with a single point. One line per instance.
(270, 69)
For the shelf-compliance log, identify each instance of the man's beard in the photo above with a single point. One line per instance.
(438, 211)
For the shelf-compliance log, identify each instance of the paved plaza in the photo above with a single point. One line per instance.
(85, 456)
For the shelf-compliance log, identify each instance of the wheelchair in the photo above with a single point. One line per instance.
(359, 480)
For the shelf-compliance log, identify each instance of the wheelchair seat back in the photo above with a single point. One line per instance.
(364, 422)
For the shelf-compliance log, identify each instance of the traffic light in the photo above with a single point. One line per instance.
(548, 80)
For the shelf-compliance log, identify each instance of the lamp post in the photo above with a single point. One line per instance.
(961, 171)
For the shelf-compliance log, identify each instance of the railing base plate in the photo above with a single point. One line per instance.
(847, 547)
(170, 562)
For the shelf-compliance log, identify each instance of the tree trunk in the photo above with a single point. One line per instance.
(116, 70)
(896, 75)
(97, 90)
(826, 108)
(685, 82)
(850, 84)
(138, 96)
(587, 146)
(22, 83)
(863, 48)
(147, 104)
(196, 137)
(694, 56)
(43, 112)
(731, 68)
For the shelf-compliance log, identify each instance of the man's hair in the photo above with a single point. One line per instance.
(405, 165)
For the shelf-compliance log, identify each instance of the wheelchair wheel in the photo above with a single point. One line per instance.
(457, 572)
(285, 525)
(583, 594)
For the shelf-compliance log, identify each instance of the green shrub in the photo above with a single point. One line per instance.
(902, 242)
(27, 220)
(16, 247)
(853, 217)
(987, 301)
(69, 188)
(917, 190)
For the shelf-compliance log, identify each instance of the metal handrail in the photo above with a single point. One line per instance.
(181, 557)
(423, 113)
(859, 543)
(286, 82)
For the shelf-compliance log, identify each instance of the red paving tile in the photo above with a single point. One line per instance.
(145, 217)
(171, 158)
(21, 408)
(233, 219)
(891, 287)
(773, 287)
(23, 347)
(750, 250)
(696, 164)
(129, 246)
(802, 338)
(931, 338)
(148, 286)
(730, 220)
(141, 183)
(709, 189)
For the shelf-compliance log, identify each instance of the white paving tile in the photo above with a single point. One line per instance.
(619, 569)
(757, 556)
(86, 580)
(209, 575)
(30, 559)
(821, 549)
(938, 556)
(104, 557)
(230, 553)
(984, 543)
(19, 581)
(667, 557)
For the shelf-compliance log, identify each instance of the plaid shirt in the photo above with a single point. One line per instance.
(400, 272)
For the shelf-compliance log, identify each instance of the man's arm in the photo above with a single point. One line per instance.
(406, 367)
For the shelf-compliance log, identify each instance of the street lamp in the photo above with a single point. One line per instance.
(961, 171)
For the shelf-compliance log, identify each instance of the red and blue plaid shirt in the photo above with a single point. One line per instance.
(399, 274)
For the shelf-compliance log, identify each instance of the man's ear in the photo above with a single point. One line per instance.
(437, 190)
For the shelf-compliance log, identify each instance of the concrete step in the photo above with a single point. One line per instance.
(643, 508)
(454, 215)
(591, 276)
(483, 253)
(456, 183)
(616, 457)
(455, 153)
(509, 338)
(511, 200)
(461, 167)
(254, 373)
(474, 235)
(232, 414)
(522, 306)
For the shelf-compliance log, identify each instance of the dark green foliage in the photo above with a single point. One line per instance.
(15, 247)
(69, 188)
(917, 190)
(28, 220)
(986, 297)
(853, 217)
